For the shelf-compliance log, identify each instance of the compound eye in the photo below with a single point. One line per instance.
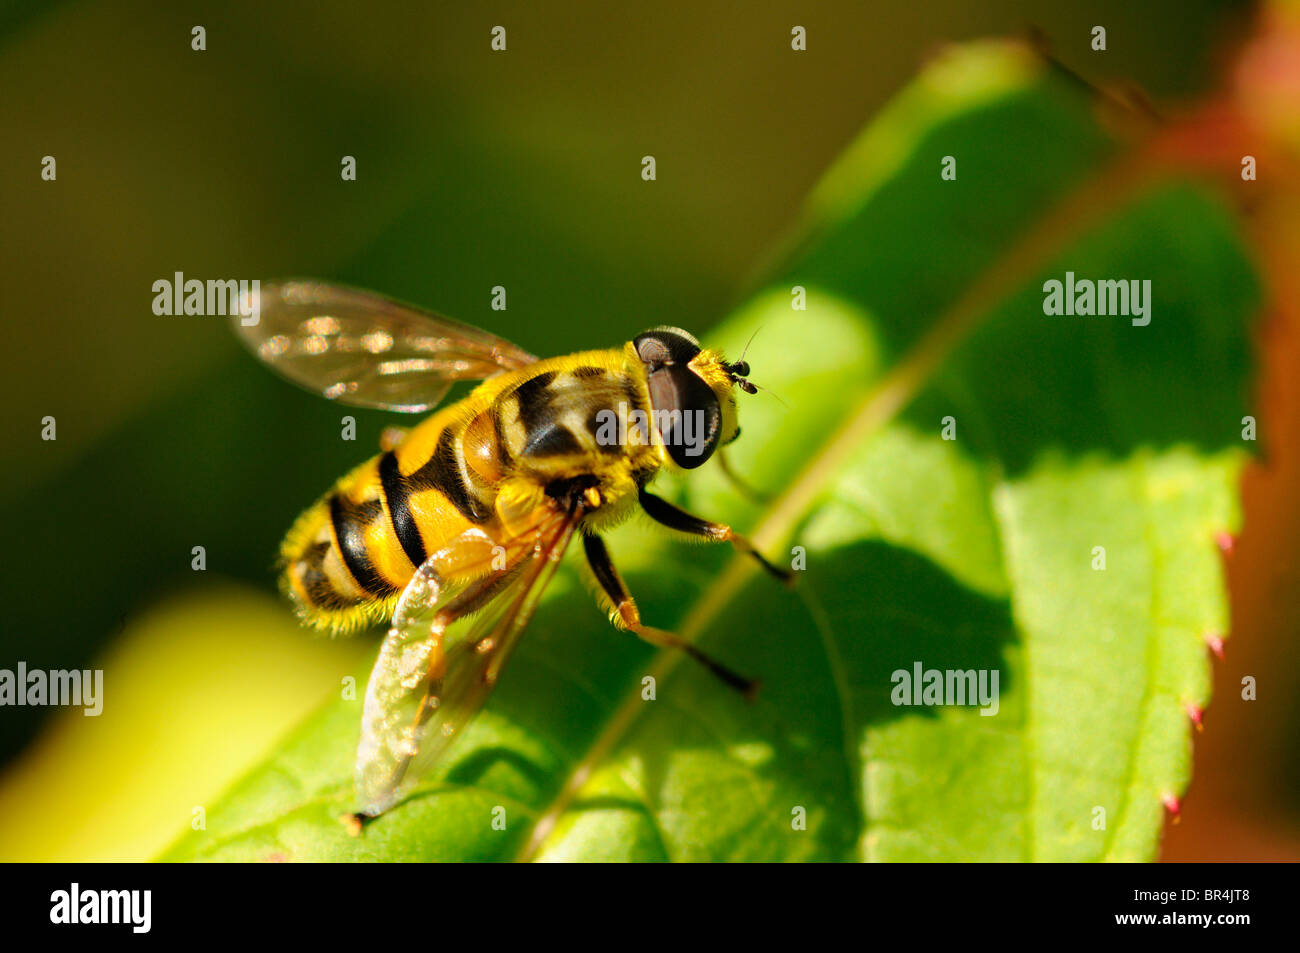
(687, 414)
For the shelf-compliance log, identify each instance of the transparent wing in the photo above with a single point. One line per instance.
(366, 350)
(428, 683)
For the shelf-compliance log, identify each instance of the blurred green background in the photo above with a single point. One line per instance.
(474, 169)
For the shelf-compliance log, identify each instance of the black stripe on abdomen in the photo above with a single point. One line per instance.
(350, 521)
(443, 473)
(398, 494)
(315, 583)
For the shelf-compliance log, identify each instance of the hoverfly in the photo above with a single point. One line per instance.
(471, 510)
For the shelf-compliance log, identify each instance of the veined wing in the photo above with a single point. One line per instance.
(367, 350)
(428, 684)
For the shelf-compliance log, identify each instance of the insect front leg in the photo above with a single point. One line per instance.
(663, 512)
(630, 617)
(740, 484)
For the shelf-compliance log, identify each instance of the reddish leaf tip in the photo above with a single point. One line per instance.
(1172, 805)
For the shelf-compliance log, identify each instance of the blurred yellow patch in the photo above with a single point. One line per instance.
(196, 690)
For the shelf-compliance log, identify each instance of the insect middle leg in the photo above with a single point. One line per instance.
(663, 512)
(612, 583)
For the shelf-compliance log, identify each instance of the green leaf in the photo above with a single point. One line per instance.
(924, 302)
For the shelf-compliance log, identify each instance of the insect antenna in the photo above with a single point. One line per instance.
(748, 343)
(768, 390)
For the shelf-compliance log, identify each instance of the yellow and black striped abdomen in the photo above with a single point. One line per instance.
(348, 557)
